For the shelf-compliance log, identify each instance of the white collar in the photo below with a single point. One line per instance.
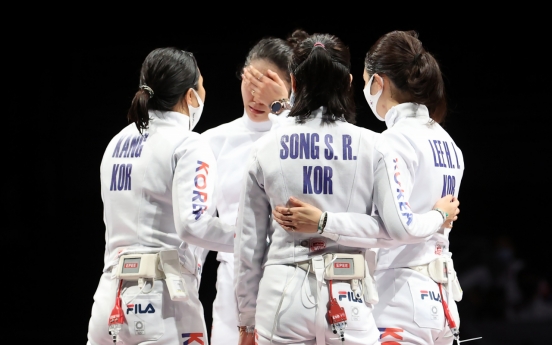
(172, 116)
(263, 126)
(404, 110)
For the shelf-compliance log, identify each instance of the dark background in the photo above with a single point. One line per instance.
(492, 64)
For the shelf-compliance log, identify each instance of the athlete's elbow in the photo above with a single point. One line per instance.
(406, 237)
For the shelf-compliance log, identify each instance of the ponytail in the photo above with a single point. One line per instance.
(321, 67)
(171, 72)
(426, 86)
(138, 111)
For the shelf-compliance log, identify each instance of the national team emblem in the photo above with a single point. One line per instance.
(192, 338)
(438, 249)
(390, 333)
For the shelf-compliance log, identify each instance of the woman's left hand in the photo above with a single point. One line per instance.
(299, 216)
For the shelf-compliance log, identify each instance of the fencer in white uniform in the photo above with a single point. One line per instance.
(330, 163)
(417, 284)
(231, 144)
(157, 185)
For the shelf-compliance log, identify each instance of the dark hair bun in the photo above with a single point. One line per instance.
(297, 37)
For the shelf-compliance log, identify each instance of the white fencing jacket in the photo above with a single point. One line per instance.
(431, 166)
(158, 191)
(231, 144)
(329, 166)
(421, 164)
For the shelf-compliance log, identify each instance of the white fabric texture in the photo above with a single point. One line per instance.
(296, 315)
(329, 166)
(231, 144)
(224, 328)
(432, 167)
(165, 322)
(421, 163)
(158, 189)
(410, 310)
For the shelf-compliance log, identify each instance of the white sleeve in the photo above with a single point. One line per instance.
(193, 200)
(392, 190)
(250, 244)
(357, 230)
(395, 223)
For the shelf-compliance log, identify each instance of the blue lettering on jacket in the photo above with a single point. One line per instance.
(302, 145)
(347, 149)
(442, 154)
(328, 151)
(131, 146)
(403, 205)
(200, 183)
(317, 180)
(120, 177)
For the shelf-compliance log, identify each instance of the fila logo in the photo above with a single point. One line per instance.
(192, 338)
(350, 296)
(431, 295)
(342, 265)
(131, 265)
(137, 308)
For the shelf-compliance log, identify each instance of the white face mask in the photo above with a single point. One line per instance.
(373, 99)
(195, 113)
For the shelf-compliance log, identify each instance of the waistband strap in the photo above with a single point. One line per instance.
(159, 274)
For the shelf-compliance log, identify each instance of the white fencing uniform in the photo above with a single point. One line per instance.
(157, 189)
(231, 144)
(410, 309)
(422, 164)
(332, 167)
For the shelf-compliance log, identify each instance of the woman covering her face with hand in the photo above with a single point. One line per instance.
(231, 144)
(157, 184)
(415, 277)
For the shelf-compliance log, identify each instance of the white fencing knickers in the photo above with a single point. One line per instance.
(294, 321)
(150, 318)
(410, 310)
(225, 310)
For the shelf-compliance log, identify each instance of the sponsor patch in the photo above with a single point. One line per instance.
(317, 244)
(139, 328)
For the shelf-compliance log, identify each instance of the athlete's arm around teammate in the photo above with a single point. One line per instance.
(282, 292)
(405, 88)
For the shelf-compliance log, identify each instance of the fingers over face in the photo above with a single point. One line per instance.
(252, 78)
